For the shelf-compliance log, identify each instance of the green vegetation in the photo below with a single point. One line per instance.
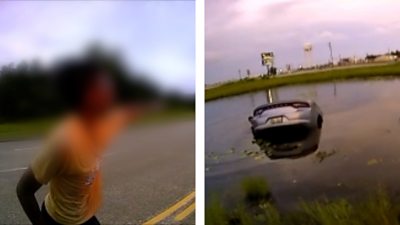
(166, 116)
(255, 189)
(38, 127)
(29, 97)
(377, 208)
(250, 85)
(28, 90)
(216, 213)
(24, 129)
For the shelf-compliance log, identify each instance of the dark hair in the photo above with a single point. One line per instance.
(72, 78)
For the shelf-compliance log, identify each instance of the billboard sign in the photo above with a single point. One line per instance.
(267, 58)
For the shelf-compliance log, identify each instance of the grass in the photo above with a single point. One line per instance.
(377, 208)
(255, 189)
(34, 128)
(167, 115)
(24, 129)
(255, 84)
(216, 213)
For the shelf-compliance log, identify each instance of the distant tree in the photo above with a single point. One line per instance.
(27, 90)
(370, 57)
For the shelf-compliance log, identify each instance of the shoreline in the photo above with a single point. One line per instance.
(256, 84)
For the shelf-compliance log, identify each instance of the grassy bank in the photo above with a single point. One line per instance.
(250, 85)
(377, 208)
(34, 128)
(24, 129)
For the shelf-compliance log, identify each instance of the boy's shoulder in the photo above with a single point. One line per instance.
(65, 132)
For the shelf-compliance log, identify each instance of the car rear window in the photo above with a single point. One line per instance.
(261, 109)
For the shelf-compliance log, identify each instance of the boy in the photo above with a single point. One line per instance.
(70, 161)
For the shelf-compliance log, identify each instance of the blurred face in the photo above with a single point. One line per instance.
(100, 94)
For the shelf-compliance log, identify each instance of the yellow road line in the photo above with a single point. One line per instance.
(185, 212)
(170, 210)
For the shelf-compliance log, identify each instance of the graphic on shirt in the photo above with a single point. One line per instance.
(92, 175)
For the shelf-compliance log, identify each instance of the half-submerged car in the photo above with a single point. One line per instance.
(292, 144)
(270, 119)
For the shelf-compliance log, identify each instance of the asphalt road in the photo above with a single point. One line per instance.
(149, 176)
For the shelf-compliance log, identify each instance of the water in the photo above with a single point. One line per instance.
(359, 143)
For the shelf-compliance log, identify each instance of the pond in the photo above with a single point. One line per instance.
(359, 143)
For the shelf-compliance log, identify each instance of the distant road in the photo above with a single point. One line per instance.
(149, 176)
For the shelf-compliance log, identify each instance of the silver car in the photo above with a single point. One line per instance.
(268, 118)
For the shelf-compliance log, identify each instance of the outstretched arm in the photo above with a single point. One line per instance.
(131, 112)
(26, 189)
(122, 116)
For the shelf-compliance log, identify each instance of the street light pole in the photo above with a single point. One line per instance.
(330, 51)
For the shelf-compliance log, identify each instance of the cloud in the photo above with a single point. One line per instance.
(238, 30)
(328, 35)
(140, 30)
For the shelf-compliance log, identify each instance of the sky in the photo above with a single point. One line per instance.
(154, 37)
(237, 31)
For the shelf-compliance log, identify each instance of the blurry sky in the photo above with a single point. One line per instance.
(155, 37)
(237, 31)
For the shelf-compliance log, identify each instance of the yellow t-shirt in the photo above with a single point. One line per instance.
(70, 164)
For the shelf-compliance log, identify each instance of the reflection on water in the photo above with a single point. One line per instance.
(289, 142)
(272, 95)
(358, 149)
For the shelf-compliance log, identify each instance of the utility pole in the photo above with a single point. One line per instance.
(330, 51)
(240, 74)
